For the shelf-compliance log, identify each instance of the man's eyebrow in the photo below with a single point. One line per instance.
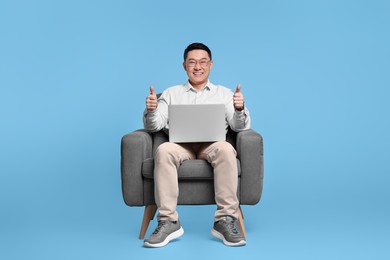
(199, 59)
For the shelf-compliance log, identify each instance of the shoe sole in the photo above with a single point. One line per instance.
(174, 235)
(218, 235)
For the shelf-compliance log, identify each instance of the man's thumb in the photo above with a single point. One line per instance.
(238, 89)
(151, 88)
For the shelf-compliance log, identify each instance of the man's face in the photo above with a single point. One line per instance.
(198, 66)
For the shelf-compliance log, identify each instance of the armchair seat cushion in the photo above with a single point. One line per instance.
(189, 170)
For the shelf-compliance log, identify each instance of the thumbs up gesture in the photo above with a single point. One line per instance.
(151, 100)
(238, 99)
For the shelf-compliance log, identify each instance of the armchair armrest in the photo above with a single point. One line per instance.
(135, 148)
(249, 147)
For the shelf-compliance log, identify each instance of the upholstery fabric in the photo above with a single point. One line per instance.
(195, 176)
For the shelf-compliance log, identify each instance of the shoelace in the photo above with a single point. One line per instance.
(232, 229)
(160, 225)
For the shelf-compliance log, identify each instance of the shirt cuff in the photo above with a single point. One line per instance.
(240, 113)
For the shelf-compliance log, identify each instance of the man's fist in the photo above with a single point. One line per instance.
(151, 100)
(238, 99)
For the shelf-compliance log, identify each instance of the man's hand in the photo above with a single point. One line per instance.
(238, 99)
(151, 100)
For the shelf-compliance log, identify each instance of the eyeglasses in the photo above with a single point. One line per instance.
(202, 63)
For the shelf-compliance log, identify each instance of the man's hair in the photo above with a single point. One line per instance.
(196, 46)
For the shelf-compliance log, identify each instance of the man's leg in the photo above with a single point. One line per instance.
(168, 158)
(222, 157)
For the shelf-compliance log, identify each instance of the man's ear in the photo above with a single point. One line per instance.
(184, 66)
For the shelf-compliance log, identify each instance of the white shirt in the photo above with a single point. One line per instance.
(186, 94)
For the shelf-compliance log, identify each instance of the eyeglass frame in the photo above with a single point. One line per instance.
(192, 63)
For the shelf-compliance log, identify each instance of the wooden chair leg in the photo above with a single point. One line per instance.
(240, 222)
(150, 211)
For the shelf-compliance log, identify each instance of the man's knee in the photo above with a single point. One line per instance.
(225, 149)
(165, 150)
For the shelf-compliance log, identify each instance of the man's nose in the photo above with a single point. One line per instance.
(197, 65)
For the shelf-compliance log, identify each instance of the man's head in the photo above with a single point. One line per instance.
(196, 46)
(197, 63)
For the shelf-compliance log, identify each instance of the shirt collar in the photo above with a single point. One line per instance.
(208, 86)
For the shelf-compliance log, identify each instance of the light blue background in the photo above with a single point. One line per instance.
(74, 76)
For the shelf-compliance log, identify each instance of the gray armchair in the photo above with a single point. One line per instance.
(195, 176)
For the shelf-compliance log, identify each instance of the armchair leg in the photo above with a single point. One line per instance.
(240, 222)
(150, 211)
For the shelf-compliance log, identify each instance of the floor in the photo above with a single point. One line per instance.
(273, 232)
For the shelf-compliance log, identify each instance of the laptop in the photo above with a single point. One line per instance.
(196, 123)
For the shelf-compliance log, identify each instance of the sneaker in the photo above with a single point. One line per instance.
(166, 231)
(226, 230)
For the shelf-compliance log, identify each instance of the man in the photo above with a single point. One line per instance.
(221, 155)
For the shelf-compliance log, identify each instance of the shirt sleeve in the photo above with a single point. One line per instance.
(241, 120)
(237, 120)
(157, 119)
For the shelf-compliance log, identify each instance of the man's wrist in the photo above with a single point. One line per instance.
(241, 109)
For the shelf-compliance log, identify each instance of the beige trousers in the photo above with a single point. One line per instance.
(221, 156)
